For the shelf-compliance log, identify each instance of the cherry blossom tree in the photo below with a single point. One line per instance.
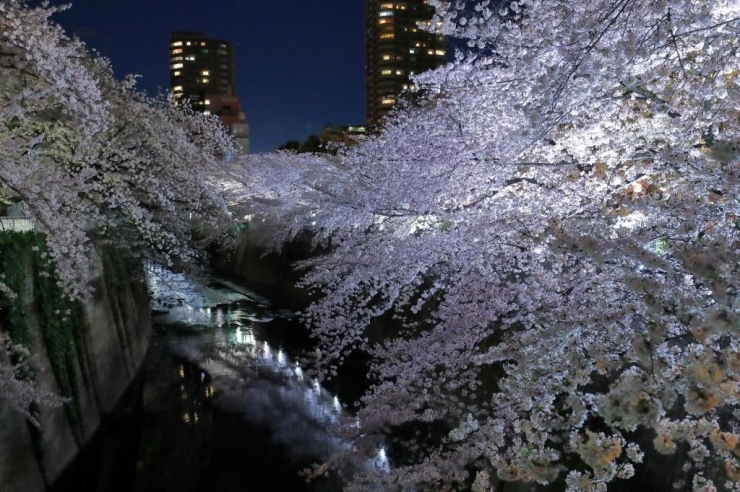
(95, 161)
(91, 156)
(551, 239)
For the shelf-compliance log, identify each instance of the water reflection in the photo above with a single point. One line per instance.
(223, 403)
(260, 381)
(254, 378)
(251, 376)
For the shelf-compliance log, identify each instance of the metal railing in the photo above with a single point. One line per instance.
(16, 224)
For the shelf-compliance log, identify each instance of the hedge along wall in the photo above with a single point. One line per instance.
(87, 352)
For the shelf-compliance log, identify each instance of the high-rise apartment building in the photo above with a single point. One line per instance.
(396, 48)
(202, 70)
(200, 67)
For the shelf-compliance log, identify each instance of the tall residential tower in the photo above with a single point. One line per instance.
(202, 70)
(396, 47)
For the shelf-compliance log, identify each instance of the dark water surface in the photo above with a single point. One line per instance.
(220, 405)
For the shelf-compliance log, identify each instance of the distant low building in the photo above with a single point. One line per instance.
(233, 118)
(347, 135)
(16, 218)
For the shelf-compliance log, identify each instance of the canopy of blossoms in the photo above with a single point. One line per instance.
(545, 248)
(94, 161)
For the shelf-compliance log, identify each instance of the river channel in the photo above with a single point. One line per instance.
(221, 403)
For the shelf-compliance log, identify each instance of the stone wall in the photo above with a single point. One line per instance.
(107, 353)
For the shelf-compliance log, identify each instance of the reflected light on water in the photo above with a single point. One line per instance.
(381, 461)
(244, 336)
(188, 419)
(337, 404)
(263, 383)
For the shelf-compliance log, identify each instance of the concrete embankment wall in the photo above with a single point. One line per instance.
(270, 274)
(93, 364)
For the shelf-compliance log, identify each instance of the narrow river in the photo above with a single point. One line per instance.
(221, 403)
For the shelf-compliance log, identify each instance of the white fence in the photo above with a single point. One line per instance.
(17, 224)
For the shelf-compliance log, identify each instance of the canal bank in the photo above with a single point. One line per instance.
(88, 352)
(221, 403)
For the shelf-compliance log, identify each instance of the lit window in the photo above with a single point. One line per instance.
(412, 50)
(187, 44)
(175, 58)
(205, 72)
(177, 88)
(177, 73)
(405, 86)
(387, 100)
(386, 13)
(384, 21)
(386, 5)
(177, 65)
(177, 51)
(418, 44)
(399, 72)
(387, 57)
(430, 52)
(440, 52)
(386, 72)
(202, 43)
(176, 43)
(205, 81)
(388, 35)
(206, 112)
(208, 102)
(189, 58)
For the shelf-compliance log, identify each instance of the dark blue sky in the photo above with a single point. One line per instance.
(299, 63)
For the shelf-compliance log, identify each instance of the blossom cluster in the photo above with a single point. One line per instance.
(540, 252)
(92, 160)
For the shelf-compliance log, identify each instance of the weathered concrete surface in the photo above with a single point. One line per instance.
(114, 343)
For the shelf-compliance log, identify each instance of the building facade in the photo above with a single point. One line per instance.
(348, 135)
(233, 118)
(202, 70)
(396, 48)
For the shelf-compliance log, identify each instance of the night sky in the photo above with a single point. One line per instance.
(299, 63)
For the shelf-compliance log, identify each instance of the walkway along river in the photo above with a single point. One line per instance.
(221, 403)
